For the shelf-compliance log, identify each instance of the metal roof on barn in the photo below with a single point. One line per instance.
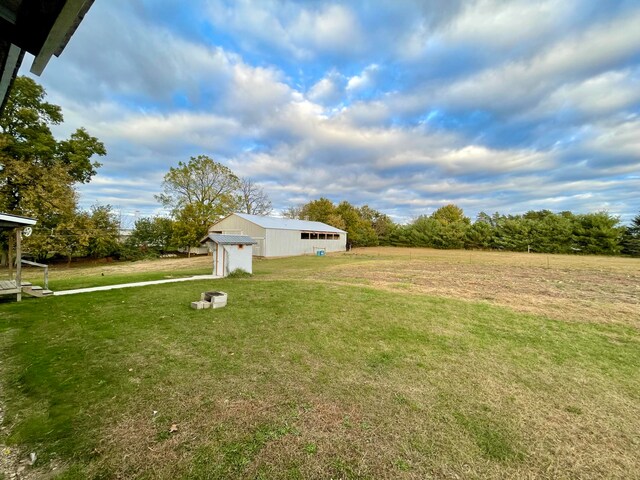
(289, 224)
(223, 239)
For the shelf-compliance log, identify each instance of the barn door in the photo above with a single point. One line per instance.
(258, 249)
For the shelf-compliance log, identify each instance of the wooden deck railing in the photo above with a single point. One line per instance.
(41, 265)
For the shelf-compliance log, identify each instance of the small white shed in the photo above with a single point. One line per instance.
(230, 252)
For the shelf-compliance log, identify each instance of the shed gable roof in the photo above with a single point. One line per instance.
(288, 223)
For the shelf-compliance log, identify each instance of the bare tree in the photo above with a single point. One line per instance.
(292, 212)
(253, 199)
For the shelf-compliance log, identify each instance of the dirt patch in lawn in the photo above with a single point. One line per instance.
(590, 289)
(156, 265)
(172, 266)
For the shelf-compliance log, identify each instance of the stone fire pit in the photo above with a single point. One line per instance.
(210, 300)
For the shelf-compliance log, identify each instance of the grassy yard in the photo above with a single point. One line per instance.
(349, 366)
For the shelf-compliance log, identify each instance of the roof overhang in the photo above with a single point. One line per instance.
(226, 239)
(15, 221)
(41, 27)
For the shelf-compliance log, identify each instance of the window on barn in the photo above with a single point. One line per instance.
(314, 236)
(304, 236)
(322, 236)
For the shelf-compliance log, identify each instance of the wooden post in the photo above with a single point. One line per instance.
(19, 263)
(10, 257)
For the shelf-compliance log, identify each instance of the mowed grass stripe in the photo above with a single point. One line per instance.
(306, 379)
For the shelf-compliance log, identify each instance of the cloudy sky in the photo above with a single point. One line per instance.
(405, 106)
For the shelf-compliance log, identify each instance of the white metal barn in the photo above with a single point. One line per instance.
(230, 252)
(283, 237)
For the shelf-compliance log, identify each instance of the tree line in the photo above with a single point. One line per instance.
(542, 231)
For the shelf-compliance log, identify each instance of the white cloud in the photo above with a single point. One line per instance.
(603, 94)
(304, 31)
(522, 83)
(365, 81)
(158, 95)
(205, 130)
(618, 139)
(333, 28)
(502, 24)
(327, 90)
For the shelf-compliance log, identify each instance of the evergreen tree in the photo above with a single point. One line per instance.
(597, 233)
(631, 238)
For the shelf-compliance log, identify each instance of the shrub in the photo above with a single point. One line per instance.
(239, 273)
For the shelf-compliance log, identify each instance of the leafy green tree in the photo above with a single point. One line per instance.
(37, 172)
(449, 227)
(360, 232)
(320, 210)
(72, 236)
(198, 192)
(191, 224)
(27, 139)
(105, 232)
(203, 183)
(364, 225)
(143, 234)
(152, 234)
(382, 225)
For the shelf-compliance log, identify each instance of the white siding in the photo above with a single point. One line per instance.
(276, 242)
(239, 226)
(227, 258)
(283, 243)
(238, 256)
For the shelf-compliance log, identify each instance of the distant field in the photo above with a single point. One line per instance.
(565, 287)
(378, 363)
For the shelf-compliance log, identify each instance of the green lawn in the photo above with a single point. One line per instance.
(299, 377)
